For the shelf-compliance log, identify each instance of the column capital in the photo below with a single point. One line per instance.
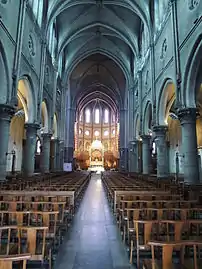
(187, 115)
(32, 126)
(46, 135)
(6, 111)
(160, 129)
(56, 139)
(145, 137)
(133, 142)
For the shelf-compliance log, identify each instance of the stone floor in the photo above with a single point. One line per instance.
(93, 241)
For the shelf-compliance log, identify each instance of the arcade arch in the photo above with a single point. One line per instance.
(4, 77)
(168, 117)
(24, 115)
(44, 118)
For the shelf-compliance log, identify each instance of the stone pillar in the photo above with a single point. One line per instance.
(30, 148)
(162, 156)
(187, 117)
(45, 154)
(61, 155)
(123, 165)
(6, 113)
(55, 155)
(69, 145)
(146, 154)
(133, 157)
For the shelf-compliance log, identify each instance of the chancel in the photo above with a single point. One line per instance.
(100, 134)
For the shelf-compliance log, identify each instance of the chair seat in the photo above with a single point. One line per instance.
(147, 264)
(188, 264)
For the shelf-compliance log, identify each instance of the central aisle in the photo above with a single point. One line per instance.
(93, 241)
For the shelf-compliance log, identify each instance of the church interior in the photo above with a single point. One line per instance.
(101, 134)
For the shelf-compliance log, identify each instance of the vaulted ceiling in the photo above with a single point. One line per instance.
(99, 40)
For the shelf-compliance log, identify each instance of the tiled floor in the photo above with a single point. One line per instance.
(93, 241)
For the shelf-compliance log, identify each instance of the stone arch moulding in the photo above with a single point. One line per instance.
(45, 115)
(190, 75)
(4, 76)
(162, 101)
(147, 114)
(137, 126)
(79, 58)
(55, 126)
(26, 89)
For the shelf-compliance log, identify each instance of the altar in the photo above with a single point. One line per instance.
(96, 156)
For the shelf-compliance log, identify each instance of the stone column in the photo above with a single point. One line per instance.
(55, 155)
(187, 117)
(123, 150)
(61, 155)
(133, 156)
(162, 156)
(123, 165)
(45, 154)
(69, 147)
(30, 148)
(146, 154)
(6, 113)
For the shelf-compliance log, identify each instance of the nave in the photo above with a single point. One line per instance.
(93, 241)
(81, 221)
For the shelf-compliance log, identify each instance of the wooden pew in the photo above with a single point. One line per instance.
(6, 261)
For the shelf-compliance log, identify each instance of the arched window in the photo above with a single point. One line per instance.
(113, 117)
(106, 116)
(80, 117)
(87, 116)
(97, 116)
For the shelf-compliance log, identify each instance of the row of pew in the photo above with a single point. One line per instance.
(34, 215)
(161, 228)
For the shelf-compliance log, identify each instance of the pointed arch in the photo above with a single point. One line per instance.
(191, 72)
(165, 102)
(137, 126)
(55, 126)
(147, 120)
(26, 92)
(44, 117)
(4, 75)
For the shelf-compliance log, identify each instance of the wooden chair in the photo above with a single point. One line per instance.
(6, 262)
(167, 248)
